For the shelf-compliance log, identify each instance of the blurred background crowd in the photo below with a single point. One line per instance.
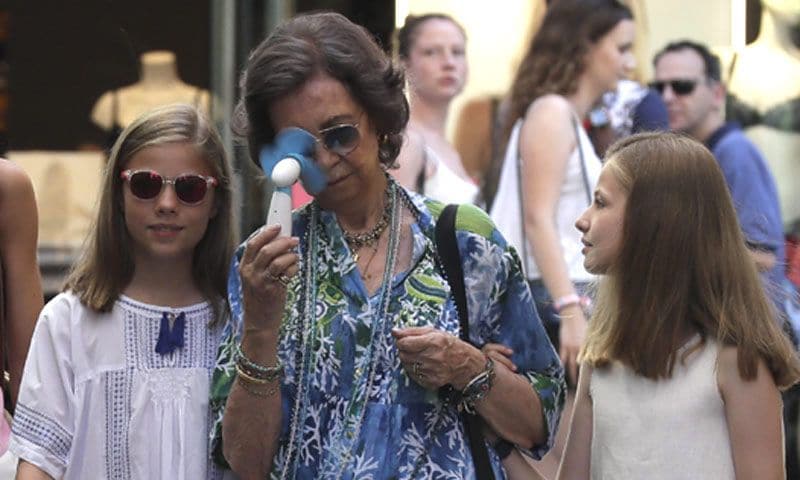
(72, 77)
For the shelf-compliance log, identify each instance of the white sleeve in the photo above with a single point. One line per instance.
(41, 433)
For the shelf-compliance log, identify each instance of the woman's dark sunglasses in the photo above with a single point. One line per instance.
(340, 139)
(190, 188)
(679, 87)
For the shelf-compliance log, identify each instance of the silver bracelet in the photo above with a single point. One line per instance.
(478, 387)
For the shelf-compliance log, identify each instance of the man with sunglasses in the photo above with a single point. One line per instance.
(687, 75)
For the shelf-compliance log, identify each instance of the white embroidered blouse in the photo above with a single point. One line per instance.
(98, 402)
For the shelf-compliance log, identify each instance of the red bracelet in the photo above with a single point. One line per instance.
(568, 300)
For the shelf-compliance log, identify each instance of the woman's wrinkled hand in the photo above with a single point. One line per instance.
(434, 358)
(268, 264)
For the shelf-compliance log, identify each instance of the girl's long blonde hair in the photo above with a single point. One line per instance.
(105, 266)
(683, 268)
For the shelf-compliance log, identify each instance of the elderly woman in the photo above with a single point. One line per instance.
(332, 364)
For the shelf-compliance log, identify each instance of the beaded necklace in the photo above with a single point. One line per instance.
(357, 404)
(366, 239)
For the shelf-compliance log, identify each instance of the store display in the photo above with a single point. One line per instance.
(159, 84)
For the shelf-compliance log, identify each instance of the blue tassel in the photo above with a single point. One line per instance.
(169, 340)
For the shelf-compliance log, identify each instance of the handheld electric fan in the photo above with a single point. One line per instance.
(285, 161)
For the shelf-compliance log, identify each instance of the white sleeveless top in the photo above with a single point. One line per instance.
(664, 429)
(444, 184)
(573, 200)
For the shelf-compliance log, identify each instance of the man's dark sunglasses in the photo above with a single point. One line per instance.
(679, 87)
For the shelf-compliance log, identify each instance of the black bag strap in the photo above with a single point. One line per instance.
(447, 249)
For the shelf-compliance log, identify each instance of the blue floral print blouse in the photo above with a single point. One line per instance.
(398, 429)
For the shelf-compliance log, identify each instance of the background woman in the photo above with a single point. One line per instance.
(347, 350)
(582, 49)
(432, 49)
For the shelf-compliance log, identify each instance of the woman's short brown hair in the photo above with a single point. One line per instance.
(328, 43)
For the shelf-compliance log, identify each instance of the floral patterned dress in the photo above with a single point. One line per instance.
(358, 414)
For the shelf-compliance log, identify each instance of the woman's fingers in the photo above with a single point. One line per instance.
(263, 236)
(569, 358)
(500, 354)
(283, 264)
(269, 258)
(501, 359)
(418, 371)
(264, 245)
(424, 361)
(571, 337)
(419, 339)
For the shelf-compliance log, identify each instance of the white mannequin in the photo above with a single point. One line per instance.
(767, 74)
(159, 85)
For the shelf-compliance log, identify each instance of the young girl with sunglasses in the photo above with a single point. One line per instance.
(116, 384)
(683, 362)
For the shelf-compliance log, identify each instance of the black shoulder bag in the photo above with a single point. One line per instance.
(447, 250)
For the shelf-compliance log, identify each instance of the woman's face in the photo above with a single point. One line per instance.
(437, 62)
(611, 58)
(324, 102)
(602, 224)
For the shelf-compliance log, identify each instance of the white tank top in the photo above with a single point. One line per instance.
(444, 184)
(666, 429)
(576, 192)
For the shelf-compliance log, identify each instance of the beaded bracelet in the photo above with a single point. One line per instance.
(478, 387)
(256, 371)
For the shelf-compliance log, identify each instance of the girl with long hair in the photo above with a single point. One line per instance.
(683, 363)
(116, 384)
(432, 50)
